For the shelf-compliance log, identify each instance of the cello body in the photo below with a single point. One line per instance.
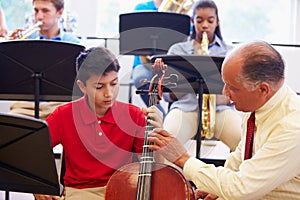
(167, 183)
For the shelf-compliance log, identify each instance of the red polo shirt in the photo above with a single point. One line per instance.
(95, 147)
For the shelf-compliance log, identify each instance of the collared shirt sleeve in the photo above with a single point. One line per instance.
(234, 160)
(54, 121)
(271, 167)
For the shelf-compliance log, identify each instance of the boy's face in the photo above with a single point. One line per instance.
(46, 12)
(101, 91)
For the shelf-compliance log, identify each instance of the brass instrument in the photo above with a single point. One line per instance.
(28, 32)
(209, 100)
(176, 6)
(204, 44)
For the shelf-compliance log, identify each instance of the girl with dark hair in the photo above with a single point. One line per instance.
(184, 107)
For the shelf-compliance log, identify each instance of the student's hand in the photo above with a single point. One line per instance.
(46, 197)
(155, 116)
(15, 34)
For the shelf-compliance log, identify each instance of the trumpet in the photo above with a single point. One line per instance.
(28, 32)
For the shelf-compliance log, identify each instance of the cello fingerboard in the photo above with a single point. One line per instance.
(146, 163)
(145, 172)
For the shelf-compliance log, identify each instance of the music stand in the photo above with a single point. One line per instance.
(37, 70)
(151, 33)
(26, 158)
(196, 74)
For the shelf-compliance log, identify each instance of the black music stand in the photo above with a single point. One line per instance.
(37, 70)
(26, 158)
(196, 74)
(151, 33)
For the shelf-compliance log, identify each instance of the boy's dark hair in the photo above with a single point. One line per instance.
(95, 61)
(58, 4)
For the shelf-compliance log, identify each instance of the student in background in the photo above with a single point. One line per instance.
(184, 106)
(49, 13)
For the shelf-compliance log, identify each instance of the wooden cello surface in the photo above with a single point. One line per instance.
(167, 183)
(147, 180)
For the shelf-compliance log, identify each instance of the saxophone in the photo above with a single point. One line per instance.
(204, 45)
(209, 100)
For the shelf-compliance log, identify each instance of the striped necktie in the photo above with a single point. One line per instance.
(249, 136)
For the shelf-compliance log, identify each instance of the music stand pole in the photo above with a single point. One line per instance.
(198, 134)
(154, 39)
(37, 80)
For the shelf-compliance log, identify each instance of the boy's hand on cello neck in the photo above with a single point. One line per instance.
(154, 116)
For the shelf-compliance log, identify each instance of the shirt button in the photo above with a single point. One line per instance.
(99, 122)
(100, 133)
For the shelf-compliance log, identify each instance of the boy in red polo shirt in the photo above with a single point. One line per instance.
(98, 133)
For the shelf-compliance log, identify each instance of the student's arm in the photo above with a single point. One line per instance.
(3, 28)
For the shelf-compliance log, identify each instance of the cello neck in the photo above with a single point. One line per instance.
(146, 163)
(147, 160)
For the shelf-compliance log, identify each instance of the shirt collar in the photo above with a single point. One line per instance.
(88, 116)
(58, 37)
(276, 99)
(217, 41)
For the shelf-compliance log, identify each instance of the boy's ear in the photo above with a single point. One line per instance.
(81, 86)
(60, 12)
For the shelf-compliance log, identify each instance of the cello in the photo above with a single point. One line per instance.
(147, 180)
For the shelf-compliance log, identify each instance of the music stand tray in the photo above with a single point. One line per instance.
(151, 33)
(26, 158)
(38, 70)
(37, 67)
